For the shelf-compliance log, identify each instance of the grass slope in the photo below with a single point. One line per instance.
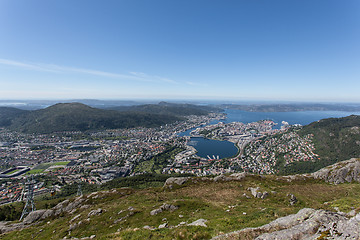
(223, 204)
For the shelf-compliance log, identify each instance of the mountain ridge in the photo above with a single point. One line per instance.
(80, 117)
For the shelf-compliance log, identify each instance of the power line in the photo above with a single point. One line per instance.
(29, 206)
(79, 192)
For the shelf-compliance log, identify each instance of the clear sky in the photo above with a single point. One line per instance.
(297, 50)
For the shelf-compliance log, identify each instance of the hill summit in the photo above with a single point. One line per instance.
(80, 117)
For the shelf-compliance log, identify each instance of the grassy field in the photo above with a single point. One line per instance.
(43, 166)
(223, 204)
(35, 171)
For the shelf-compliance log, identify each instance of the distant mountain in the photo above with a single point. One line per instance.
(80, 117)
(170, 109)
(9, 113)
(293, 107)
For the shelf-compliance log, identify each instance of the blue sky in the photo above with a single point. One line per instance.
(300, 50)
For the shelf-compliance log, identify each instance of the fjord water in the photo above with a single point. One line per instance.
(225, 149)
(213, 148)
(301, 117)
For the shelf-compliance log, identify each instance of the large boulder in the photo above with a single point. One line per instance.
(222, 178)
(306, 224)
(34, 216)
(95, 212)
(8, 227)
(345, 171)
(200, 222)
(239, 176)
(164, 207)
(257, 194)
(170, 182)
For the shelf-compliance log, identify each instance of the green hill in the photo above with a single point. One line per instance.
(9, 113)
(80, 117)
(335, 139)
(306, 149)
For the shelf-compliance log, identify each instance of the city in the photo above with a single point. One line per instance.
(100, 156)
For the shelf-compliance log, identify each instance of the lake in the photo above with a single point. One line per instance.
(225, 149)
(208, 147)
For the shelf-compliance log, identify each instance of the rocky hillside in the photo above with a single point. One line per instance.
(237, 206)
(306, 224)
(346, 171)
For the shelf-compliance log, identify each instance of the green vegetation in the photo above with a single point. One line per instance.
(35, 171)
(13, 171)
(61, 163)
(43, 166)
(7, 114)
(11, 212)
(79, 117)
(335, 139)
(223, 204)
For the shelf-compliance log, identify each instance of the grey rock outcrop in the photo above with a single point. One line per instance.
(34, 216)
(164, 207)
(345, 171)
(239, 176)
(222, 178)
(200, 222)
(8, 227)
(306, 224)
(170, 182)
(255, 192)
(95, 212)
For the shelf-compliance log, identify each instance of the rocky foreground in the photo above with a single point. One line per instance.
(174, 209)
(309, 224)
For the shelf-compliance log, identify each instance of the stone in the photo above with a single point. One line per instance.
(200, 222)
(74, 218)
(239, 176)
(222, 178)
(345, 171)
(148, 227)
(255, 192)
(164, 225)
(95, 212)
(306, 224)
(292, 199)
(73, 205)
(48, 213)
(164, 207)
(175, 180)
(34, 216)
